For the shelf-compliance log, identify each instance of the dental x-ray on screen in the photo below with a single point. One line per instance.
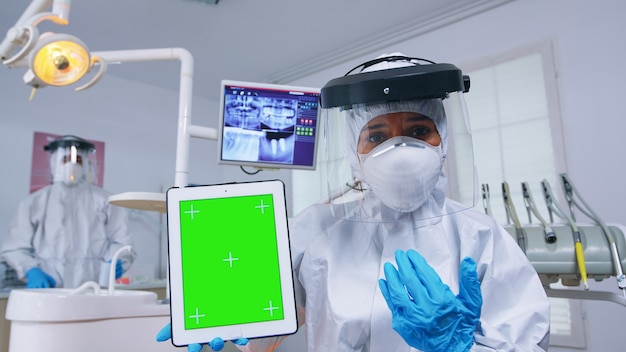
(268, 125)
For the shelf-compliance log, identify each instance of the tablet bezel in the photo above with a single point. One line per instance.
(286, 326)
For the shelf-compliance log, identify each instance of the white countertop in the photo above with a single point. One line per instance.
(4, 292)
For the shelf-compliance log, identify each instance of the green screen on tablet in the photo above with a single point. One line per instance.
(230, 243)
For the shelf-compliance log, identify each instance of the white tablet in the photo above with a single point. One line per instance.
(229, 261)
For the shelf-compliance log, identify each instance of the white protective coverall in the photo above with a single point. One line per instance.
(68, 232)
(338, 262)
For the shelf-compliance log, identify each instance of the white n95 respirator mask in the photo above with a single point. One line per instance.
(402, 172)
(71, 173)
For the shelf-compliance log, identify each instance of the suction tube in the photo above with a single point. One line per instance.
(111, 287)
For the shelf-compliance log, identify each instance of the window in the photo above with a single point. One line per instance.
(515, 121)
(511, 128)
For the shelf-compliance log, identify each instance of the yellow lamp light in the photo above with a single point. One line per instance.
(59, 59)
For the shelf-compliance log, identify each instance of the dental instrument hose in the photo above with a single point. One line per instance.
(510, 211)
(578, 244)
(570, 192)
(549, 234)
(486, 199)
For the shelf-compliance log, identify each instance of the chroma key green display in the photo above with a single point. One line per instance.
(229, 267)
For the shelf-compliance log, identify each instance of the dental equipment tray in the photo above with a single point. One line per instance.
(559, 259)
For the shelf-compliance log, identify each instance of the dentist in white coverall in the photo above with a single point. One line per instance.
(64, 234)
(389, 263)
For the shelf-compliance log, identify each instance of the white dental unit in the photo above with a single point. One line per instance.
(57, 316)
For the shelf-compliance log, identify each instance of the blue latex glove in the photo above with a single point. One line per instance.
(424, 310)
(217, 344)
(119, 270)
(37, 278)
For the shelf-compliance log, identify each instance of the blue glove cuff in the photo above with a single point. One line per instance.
(37, 278)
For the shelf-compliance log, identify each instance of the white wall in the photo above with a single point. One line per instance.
(590, 53)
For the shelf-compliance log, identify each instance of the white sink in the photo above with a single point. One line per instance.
(62, 320)
(58, 304)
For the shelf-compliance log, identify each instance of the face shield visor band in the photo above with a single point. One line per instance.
(350, 105)
(68, 141)
(403, 83)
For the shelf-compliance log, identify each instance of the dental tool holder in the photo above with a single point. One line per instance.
(557, 260)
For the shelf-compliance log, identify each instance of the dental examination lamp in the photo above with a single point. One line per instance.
(54, 59)
(60, 60)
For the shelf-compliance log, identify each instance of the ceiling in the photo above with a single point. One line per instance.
(254, 40)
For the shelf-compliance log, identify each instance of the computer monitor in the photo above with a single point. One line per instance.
(268, 126)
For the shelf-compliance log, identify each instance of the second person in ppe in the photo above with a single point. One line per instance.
(67, 232)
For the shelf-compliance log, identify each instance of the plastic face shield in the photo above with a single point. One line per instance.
(412, 100)
(69, 160)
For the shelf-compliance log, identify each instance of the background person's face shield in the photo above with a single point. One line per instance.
(414, 135)
(69, 160)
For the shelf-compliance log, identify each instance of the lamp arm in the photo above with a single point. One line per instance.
(62, 8)
(35, 7)
(103, 68)
(47, 16)
(185, 129)
(17, 36)
(32, 12)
